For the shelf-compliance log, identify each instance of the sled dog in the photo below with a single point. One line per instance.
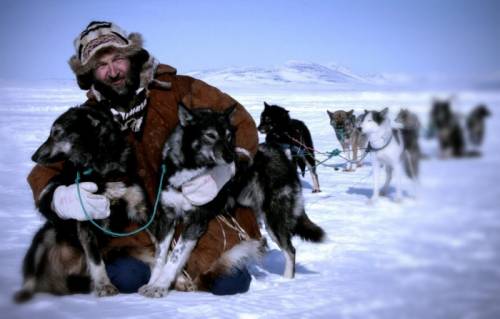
(291, 134)
(65, 255)
(271, 187)
(350, 138)
(446, 125)
(203, 140)
(410, 131)
(476, 126)
(386, 146)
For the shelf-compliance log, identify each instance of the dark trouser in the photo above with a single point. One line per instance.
(129, 274)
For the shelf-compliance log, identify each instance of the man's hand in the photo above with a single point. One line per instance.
(66, 202)
(204, 188)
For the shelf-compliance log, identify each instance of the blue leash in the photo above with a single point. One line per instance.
(112, 233)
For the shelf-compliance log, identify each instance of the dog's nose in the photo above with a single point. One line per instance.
(35, 157)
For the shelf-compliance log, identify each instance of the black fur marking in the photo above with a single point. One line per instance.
(79, 284)
(378, 117)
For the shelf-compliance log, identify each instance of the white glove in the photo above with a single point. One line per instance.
(66, 202)
(204, 188)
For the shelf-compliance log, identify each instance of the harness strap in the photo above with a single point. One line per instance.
(223, 232)
(242, 234)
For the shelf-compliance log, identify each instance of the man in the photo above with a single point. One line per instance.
(143, 95)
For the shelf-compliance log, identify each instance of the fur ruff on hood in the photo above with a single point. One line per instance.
(85, 77)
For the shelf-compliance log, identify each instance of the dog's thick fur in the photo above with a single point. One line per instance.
(350, 138)
(291, 134)
(202, 140)
(449, 131)
(65, 255)
(386, 146)
(410, 131)
(476, 125)
(271, 187)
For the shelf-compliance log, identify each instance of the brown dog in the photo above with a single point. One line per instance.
(345, 127)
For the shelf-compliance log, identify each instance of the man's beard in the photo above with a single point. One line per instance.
(123, 95)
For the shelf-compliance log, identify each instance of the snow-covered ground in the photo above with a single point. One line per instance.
(434, 256)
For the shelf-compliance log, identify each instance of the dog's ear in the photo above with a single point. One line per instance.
(484, 111)
(266, 105)
(384, 112)
(185, 115)
(330, 114)
(350, 112)
(93, 121)
(230, 111)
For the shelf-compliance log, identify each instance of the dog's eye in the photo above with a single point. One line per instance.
(56, 132)
(210, 136)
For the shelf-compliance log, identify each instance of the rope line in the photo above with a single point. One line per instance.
(112, 233)
(330, 154)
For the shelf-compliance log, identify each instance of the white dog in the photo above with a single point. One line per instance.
(386, 146)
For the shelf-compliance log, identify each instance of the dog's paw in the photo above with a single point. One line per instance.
(152, 291)
(184, 284)
(115, 190)
(316, 191)
(106, 290)
(136, 203)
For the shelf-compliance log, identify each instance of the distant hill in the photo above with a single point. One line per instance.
(300, 75)
(296, 75)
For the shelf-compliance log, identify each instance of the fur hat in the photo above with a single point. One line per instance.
(97, 36)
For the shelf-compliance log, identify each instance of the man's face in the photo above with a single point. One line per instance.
(113, 70)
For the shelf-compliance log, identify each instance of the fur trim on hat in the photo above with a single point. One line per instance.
(133, 48)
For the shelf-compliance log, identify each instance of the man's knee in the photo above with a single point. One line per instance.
(128, 274)
(236, 282)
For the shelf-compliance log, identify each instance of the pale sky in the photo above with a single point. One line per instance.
(449, 37)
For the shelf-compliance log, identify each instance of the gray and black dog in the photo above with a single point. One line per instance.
(65, 254)
(410, 132)
(204, 139)
(476, 127)
(446, 124)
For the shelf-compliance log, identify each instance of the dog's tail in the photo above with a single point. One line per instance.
(308, 230)
(238, 257)
(411, 162)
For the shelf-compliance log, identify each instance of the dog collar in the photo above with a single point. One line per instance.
(370, 147)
